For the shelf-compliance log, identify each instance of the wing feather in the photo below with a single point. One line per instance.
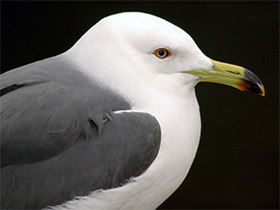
(61, 138)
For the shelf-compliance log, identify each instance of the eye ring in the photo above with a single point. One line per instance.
(162, 53)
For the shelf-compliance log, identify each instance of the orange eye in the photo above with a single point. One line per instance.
(162, 53)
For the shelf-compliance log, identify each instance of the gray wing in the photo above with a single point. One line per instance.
(60, 137)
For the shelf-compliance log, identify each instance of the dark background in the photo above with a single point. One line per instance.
(237, 163)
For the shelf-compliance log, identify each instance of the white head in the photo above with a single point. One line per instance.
(126, 46)
(133, 40)
(142, 34)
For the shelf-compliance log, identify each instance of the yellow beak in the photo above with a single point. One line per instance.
(231, 75)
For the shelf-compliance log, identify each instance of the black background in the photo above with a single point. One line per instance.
(237, 163)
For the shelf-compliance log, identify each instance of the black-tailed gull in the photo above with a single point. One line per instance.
(113, 123)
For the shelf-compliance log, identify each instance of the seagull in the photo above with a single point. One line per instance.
(113, 122)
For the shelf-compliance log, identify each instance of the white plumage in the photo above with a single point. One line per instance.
(126, 64)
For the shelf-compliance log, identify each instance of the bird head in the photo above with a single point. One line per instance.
(137, 38)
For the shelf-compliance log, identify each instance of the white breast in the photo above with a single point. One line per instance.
(180, 124)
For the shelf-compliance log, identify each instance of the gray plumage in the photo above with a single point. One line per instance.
(61, 138)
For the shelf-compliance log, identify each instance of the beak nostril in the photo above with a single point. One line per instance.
(234, 72)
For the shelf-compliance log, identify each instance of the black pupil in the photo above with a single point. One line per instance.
(162, 53)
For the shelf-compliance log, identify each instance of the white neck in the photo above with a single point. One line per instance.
(175, 107)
